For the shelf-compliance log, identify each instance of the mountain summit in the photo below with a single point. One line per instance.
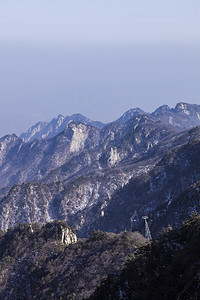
(183, 116)
(45, 130)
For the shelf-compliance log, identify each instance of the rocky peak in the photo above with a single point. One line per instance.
(183, 107)
(161, 110)
(45, 130)
(8, 138)
(61, 231)
(183, 116)
(68, 236)
(80, 135)
(79, 118)
(59, 120)
(130, 113)
(33, 132)
(60, 117)
(191, 110)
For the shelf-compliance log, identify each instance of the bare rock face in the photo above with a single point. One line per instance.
(59, 230)
(68, 236)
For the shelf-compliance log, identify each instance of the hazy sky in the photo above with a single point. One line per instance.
(99, 58)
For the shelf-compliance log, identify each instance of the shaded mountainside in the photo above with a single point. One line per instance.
(163, 186)
(176, 210)
(73, 201)
(168, 268)
(36, 264)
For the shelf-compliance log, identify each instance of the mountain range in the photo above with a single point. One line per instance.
(104, 176)
(44, 130)
(183, 116)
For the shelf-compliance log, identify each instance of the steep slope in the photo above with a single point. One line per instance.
(166, 269)
(73, 201)
(121, 145)
(171, 176)
(44, 130)
(35, 132)
(23, 162)
(174, 211)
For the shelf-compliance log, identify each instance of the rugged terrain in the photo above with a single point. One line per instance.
(44, 130)
(183, 116)
(36, 264)
(168, 268)
(104, 177)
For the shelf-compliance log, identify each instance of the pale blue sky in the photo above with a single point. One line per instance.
(99, 58)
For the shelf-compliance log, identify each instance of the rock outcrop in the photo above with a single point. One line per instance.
(68, 236)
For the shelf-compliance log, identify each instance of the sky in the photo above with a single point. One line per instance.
(98, 58)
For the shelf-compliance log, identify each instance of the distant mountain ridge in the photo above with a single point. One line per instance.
(183, 116)
(45, 130)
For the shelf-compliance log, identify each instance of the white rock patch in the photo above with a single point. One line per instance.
(79, 137)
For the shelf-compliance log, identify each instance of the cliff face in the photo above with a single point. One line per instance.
(68, 236)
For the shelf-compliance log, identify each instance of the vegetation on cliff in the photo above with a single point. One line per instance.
(36, 264)
(168, 268)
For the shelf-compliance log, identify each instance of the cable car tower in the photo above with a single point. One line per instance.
(147, 232)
